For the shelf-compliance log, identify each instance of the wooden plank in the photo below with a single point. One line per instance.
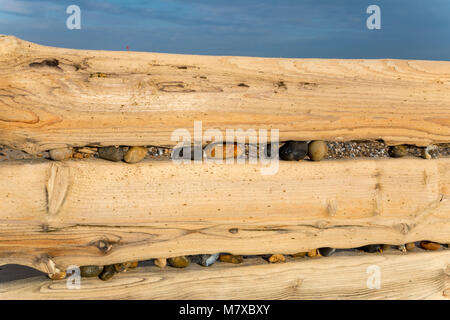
(104, 212)
(424, 275)
(133, 98)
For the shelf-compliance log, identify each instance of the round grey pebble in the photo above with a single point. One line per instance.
(60, 154)
(111, 153)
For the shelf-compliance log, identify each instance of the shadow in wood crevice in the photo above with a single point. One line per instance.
(12, 272)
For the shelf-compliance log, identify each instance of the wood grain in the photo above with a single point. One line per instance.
(424, 275)
(134, 98)
(113, 212)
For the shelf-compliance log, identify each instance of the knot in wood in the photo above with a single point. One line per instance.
(321, 224)
(403, 228)
(103, 245)
(446, 292)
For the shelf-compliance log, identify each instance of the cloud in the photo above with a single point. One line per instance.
(29, 8)
(13, 6)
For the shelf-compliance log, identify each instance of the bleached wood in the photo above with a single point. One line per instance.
(115, 212)
(134, 98)
(424, 275)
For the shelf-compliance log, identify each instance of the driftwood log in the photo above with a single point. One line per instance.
(82, 212)
(411, 276)
(51, 97)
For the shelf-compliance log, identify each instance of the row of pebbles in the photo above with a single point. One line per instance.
(377, 149)
(206, 260)
(289, 151)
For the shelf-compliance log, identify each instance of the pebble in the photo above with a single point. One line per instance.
(223, 150)
(111, 153)
(293, 150)
(90, 271)
(88, 150)
(276, 258)
(398, 151)
(402, 248)
(326, 252)
(313, 253)
(60, 153)
(120, 267)
(107, 273)
(57, 276)
(135, 154)
(299, 255)
(78, 155)
(410, 246)
(317, 150)
(429, 245)
(209, 259)
(160, 262)
(178, 262)
(430, 152)
(123, 267)
(230, 258)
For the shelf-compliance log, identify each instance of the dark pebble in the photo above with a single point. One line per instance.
(90, 271)
(398, 151)
(293, 150)
(111, 153)
(107, 273)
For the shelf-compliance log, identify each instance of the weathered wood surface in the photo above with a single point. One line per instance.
(133, 98)
(424, 275)
(91, 211)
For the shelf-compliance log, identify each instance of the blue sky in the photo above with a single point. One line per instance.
(410, 29)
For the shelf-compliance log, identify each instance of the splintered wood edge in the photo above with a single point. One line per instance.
(415, 275)
(137, 98)
(108, 212)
